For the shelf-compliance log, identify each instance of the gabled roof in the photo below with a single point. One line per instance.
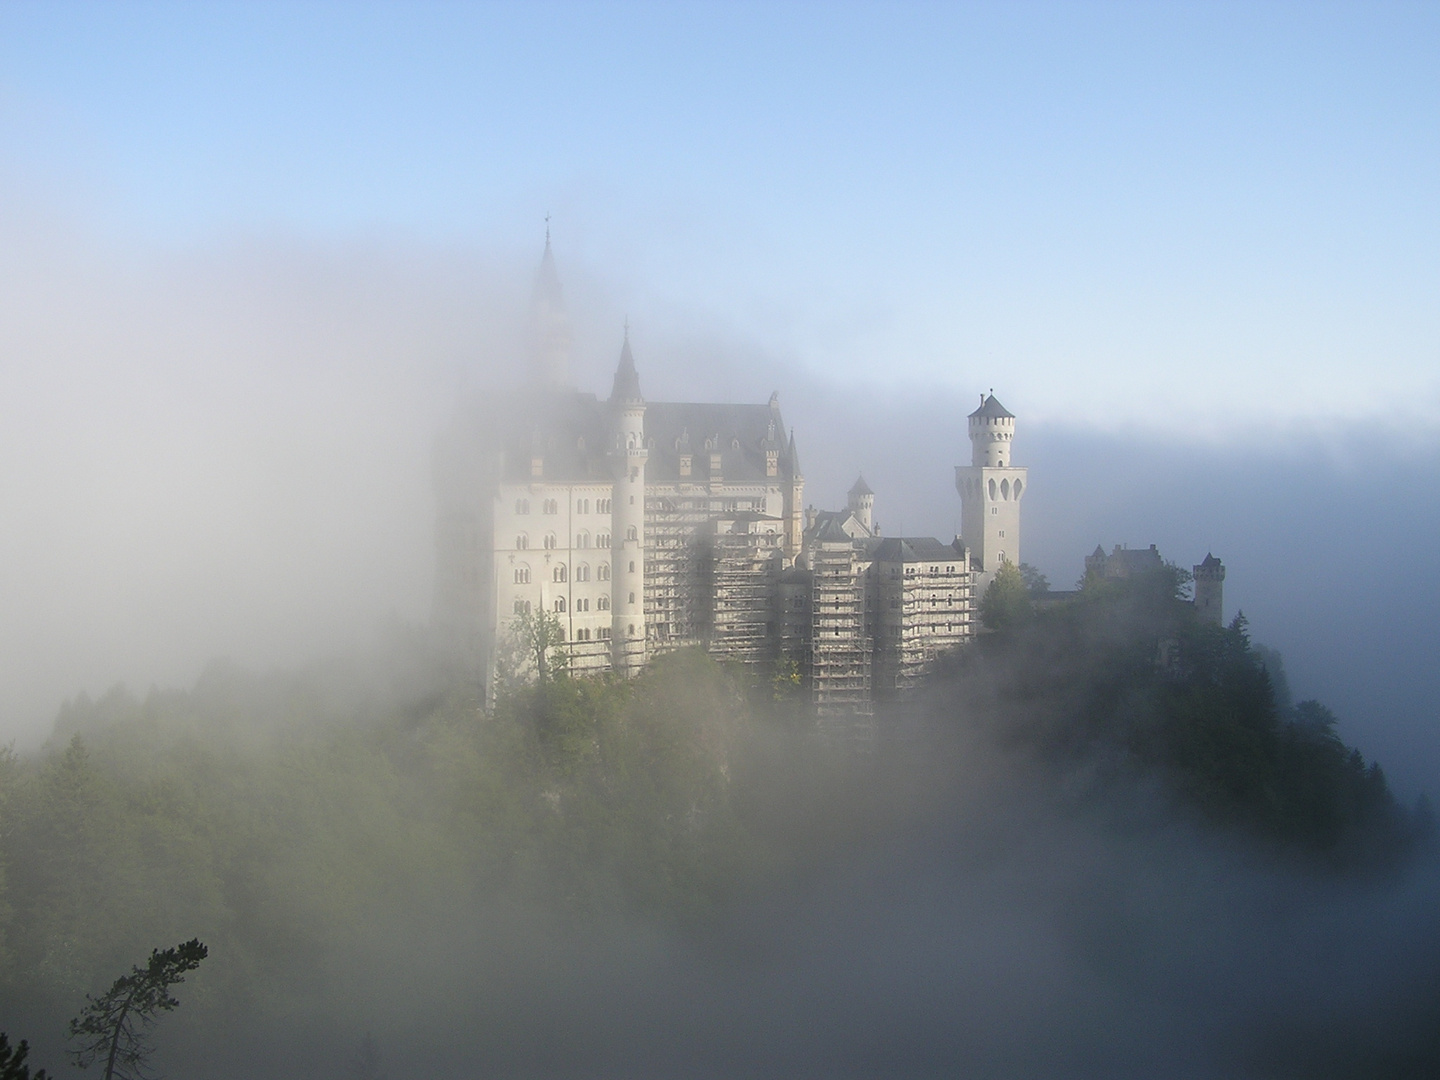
(905, 549)
(991, 409)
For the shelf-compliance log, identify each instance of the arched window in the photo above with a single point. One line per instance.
(560, 603)
(522, 542)
(1005, 489)
(549, 541)
(992, 490)
(584, 506)
(582, 604)
(603, 603)
(602, 540)
(522, 607)
(552, 506)
(558, 574)
(582, 540)
(632, 570)
(582, 572)
(602, 572)
(1018, 485)
(522, 575)
(522, 506)
(631, 533)
(602, 506)
(632, 600)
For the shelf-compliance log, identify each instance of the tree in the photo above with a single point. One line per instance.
(534, 643)
(12, 1061)
(1035, 582)
(113, 1026)
(1007, 601)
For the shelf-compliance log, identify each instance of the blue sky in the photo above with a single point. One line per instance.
(248, 253)
(1018, 195)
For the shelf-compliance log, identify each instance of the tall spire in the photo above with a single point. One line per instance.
(550, 336)
(627, 379)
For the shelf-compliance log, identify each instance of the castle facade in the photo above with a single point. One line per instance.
(640, 527)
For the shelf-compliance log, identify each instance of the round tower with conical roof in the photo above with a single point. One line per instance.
(862, 504)
(628, 455)
(990, 489)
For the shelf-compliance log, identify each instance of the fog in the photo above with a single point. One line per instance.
(225, 452)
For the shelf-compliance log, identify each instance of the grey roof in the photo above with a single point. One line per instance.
(910, 549)
(627, 379)
(570, 431)
(860, 487)
(830, 532)
(1210, 560)
(991, 409)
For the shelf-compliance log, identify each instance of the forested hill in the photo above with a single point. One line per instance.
(1125, 679)
(360, 848)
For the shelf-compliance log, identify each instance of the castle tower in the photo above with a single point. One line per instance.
(862, 504)
(627, 532)
(1210, 590)
(794, 504)
(990, 488)
(550, 335)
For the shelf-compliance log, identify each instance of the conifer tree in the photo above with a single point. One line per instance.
(113, 1026)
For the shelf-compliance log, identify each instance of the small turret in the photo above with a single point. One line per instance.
(862, 504)
(992, 427)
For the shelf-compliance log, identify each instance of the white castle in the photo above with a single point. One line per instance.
(646, 526)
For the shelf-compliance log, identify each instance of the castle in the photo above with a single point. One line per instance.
(646, 526)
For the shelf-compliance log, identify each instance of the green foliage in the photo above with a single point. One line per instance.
(12, 1061)
(113, 1026)
(1006, 603)
(1036, 583)
(1127, 675)
(531, 650)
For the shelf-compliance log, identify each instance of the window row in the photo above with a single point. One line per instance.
(552, 506)
(582, 540)
(582, 605)
(559, 573)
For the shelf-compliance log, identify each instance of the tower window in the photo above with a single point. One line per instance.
(632, 600)
(522, 542)
(603, 603)
(632, 568)
(602, 572)
(632, 534)
(994, 511)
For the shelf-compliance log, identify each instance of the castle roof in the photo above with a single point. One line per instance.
(905, 549)
(860, 487)
(991, 409)
(627, 379)
(1210, 560)
(571, 432)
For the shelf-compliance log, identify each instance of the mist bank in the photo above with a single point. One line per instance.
(1030, 873)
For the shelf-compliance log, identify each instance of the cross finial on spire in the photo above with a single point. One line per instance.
(547, 228)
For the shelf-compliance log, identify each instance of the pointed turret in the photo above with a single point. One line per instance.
(550, 336)
(627, 379)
